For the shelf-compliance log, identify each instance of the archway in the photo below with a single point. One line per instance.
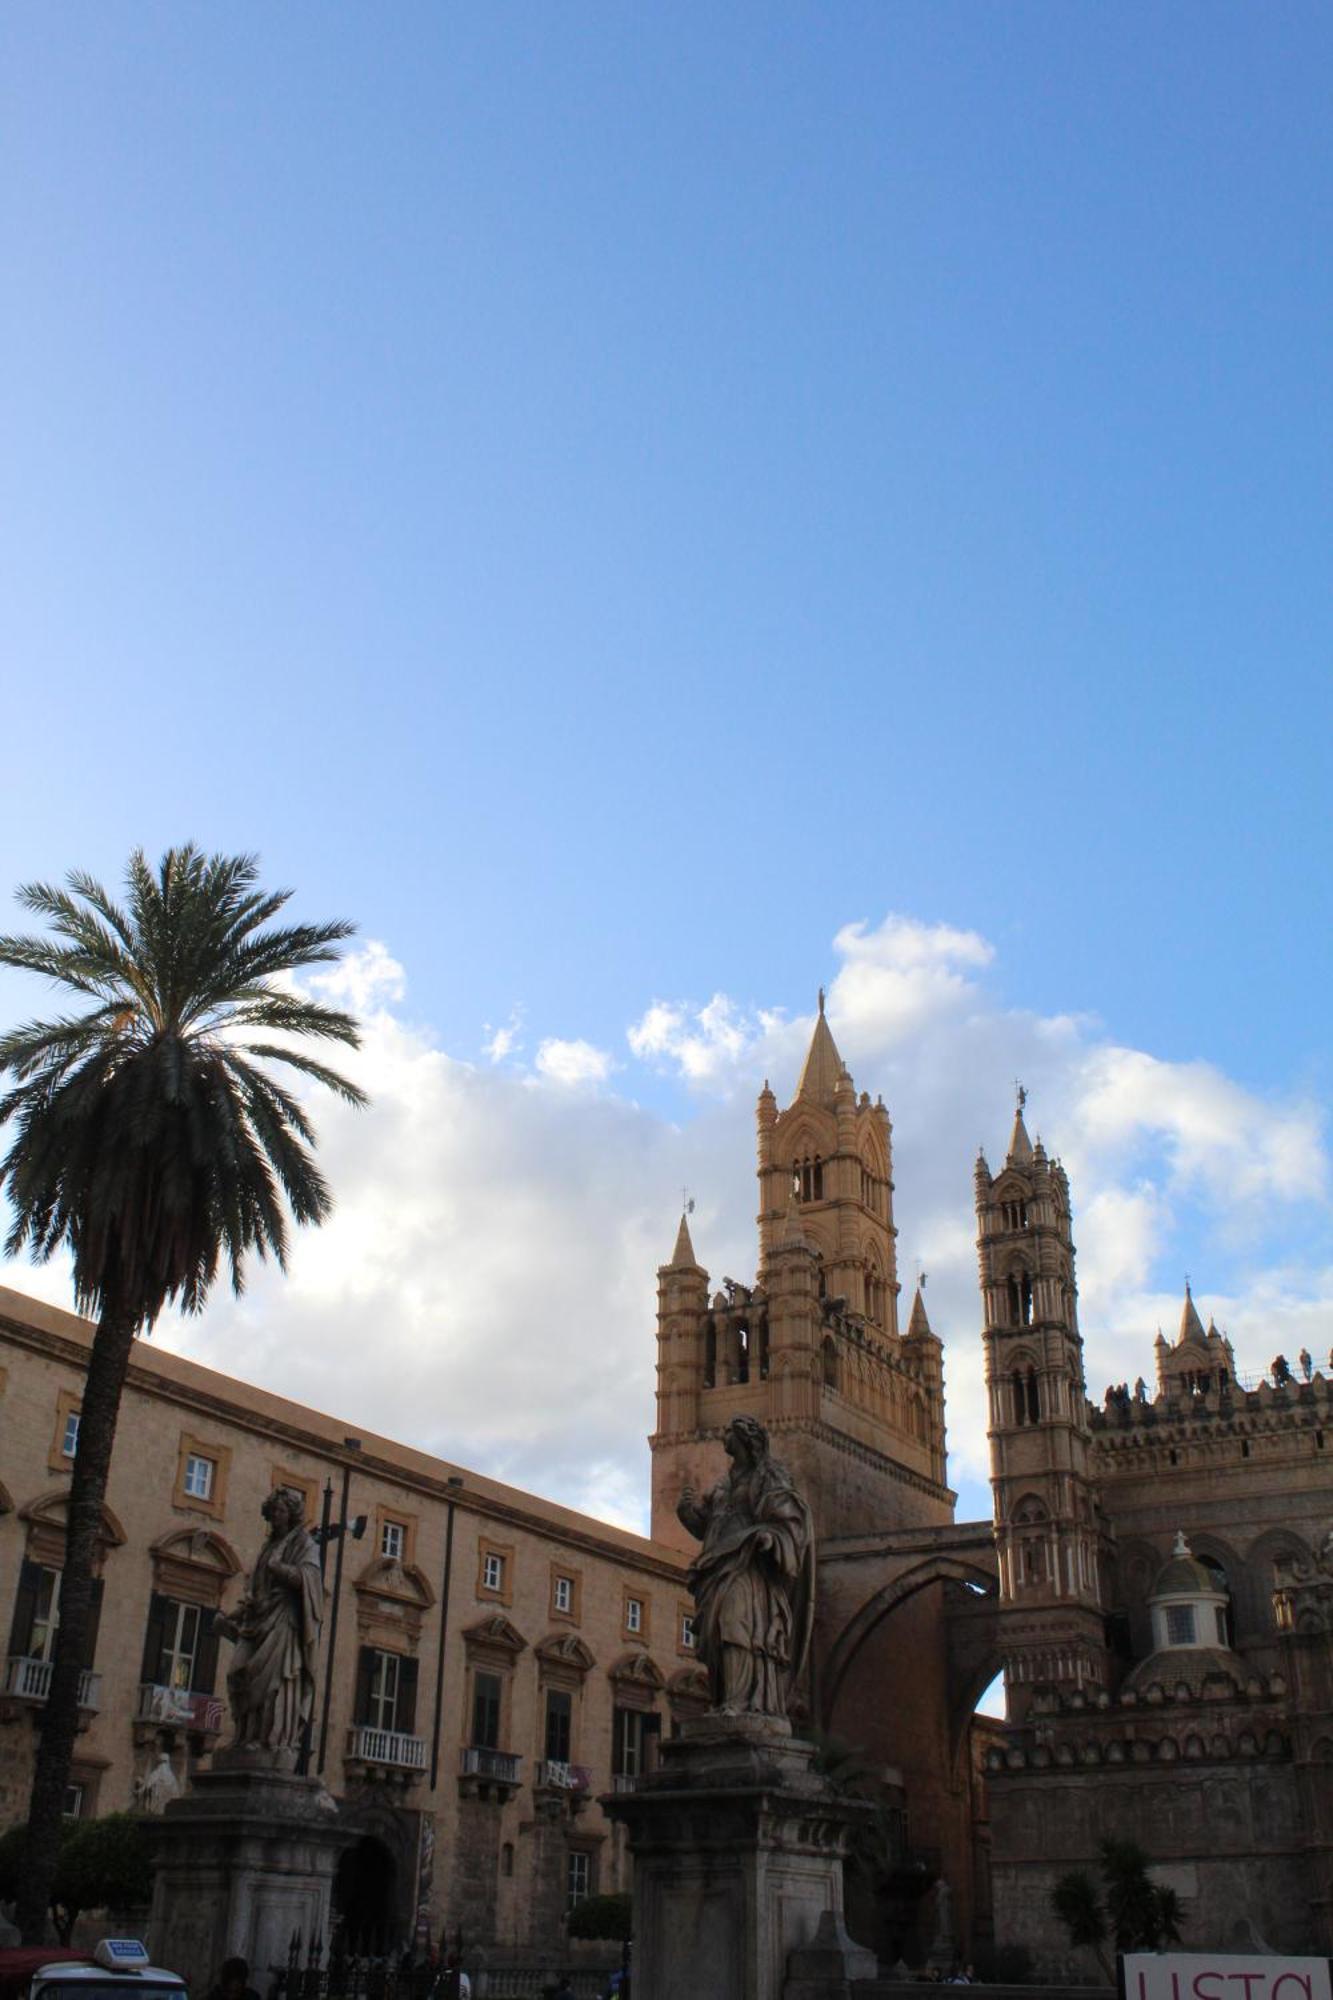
(364, 1896)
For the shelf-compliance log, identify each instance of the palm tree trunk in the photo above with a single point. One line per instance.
(107, 1368)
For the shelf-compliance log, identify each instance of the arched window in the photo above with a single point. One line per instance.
(830, 1361)
(710, 1354)
(1020, 1398)
(1020, 1298)
(763, 1347)
(1034, 1405)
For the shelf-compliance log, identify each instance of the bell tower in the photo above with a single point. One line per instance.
(812, 1348)
(1046, 1531)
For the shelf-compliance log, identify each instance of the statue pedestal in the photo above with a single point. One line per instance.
(243, 1860)
(737, 1846)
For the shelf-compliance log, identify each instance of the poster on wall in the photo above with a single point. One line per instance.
(1220, 1975)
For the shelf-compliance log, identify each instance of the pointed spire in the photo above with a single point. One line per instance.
(1020, 1146)
(918, 1326)
(683, 1257)
(1191, 1326)
(823, 1065)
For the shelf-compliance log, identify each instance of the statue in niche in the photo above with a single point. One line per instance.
(275, 1627)
(753, 1579)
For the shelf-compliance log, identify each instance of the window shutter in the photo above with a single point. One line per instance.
(365, 1669)
(405, 1719)
(94, 1621)
(25, 1608)
(206, 1659)
(155, 1638)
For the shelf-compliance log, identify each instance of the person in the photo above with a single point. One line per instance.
(454, 1982)
(271, 1680)
(753, 1578)
(234, 1982)
(564, 1990)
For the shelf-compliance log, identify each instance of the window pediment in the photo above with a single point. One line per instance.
(385, 1576)
(46, 1529)
(494, 1637)
(637, 1669)
(565, 1649)
(194, 1565)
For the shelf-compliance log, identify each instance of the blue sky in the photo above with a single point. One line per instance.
(609, 497)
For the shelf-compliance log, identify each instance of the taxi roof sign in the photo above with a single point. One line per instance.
(121, 1955)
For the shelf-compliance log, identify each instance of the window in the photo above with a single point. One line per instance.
(626, 1742)
(563, 1593)
(495, 1570)
(1019, 1287)
(559, 1725)
(492, 1571)
(46, 1614)
(386, 1691)
(69, 1437)
(634, 1614)
(486, 1693)
(687, 1631)
(1180, 1624)
(580, 1877)
(198, 1481)
(73, 1804)
(1015, 1214)
(180, 1650)
(393, 1540)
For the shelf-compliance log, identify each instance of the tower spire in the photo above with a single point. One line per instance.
(823, 1064)
(1020, 1146)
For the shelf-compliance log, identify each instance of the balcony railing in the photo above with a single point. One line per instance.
(626, 1781)
(30, 1680)
(179, 1706)
(563, 1777)
(481, 1763)
(387, 1746)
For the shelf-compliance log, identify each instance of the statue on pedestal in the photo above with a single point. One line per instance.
(271, 1680)
(753, 1579)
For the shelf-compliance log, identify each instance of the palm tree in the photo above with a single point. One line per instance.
(150, 1139)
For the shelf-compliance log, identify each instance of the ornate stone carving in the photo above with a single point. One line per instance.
(275, 1628)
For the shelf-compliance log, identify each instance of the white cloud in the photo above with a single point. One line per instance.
(501, 1043)
(572, 1062)
(486, 1285)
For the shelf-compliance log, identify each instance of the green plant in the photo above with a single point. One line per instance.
(151, 1141)
(602, 1917)
(1136, 1912)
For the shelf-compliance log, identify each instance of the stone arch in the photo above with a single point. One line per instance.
(1254, 1580)
(885, 1601)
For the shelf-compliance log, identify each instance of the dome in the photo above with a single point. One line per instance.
(1183, 1575)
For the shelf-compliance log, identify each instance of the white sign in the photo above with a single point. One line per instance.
(1219, 1975)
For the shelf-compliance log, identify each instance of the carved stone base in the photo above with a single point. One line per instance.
(738, 1846)
(246, 1858)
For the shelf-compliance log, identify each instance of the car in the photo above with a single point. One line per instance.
(118, 1968)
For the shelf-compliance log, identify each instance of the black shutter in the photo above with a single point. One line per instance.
(94, 1620)
(155, 1638)
(405, 1718)
(205, 1673)
(365, 1669)
(25, 1608)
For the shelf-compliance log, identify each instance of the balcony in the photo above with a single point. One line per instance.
(387, 1750)
(626, 1781)
(30, 1680)
(179, 1708)
(488, 1774)
(562, 1777)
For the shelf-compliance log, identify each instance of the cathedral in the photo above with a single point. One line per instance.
(1153, 1584)
(1155, 1587)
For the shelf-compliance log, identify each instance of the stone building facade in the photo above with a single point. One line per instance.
(498, 1662)
(1154, 1586)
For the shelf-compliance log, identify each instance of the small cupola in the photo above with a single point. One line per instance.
(1188, 1605)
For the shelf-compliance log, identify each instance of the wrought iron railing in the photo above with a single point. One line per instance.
(181, 1706)
(482, 1763)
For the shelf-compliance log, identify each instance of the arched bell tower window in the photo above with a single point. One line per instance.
(1027, 1399)
(830, 1362)
(1019, 1284)
(807, 1180)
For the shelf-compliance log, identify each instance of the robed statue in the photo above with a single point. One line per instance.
(753, 1579)
(271, 1680)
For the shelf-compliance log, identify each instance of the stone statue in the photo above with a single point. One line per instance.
(271, 1680)
(753, 1579)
